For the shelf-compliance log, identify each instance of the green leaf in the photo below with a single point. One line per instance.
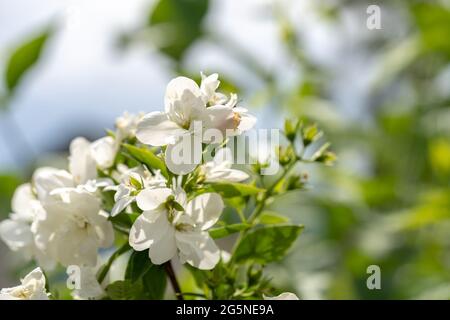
(138, 265)
(125, 290)
(229, 190)
(182, 24)
(267, 244)
(8, 184)
(102, 272)
(152, 277)
(147, 157)
(270, 217)
(23, 58)
(124, 220)
(433, 21)
(224, 231)
(155, 282)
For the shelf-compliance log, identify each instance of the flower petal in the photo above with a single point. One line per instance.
(157, 130)
(164, 249)
(16, 234)
(205, 209)
(150, 199)
(82, 165)
(225, 174)
(181, 159)
(47, 179)
(148, 228)
(183, 100)
(104, 152)
(23, 199)
(218, 117)
(283, 296)
(209, 86)
(121, 204)
(197, 249)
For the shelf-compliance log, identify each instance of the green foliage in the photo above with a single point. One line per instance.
(8, 184)
(124, 290)
(182, 22)
(227, 230)
(270, 217)
(147, 157)
(433, 21)
(232, 281)
(23, 59)
(230, 190)
(266, 244)
(142, 273)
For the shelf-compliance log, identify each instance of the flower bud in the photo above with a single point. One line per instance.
(310, 134)
(290, 129)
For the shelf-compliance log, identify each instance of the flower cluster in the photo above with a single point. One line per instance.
(129, 189)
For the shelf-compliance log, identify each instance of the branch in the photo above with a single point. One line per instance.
(173, 280)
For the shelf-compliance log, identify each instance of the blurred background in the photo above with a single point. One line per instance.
(382, 96)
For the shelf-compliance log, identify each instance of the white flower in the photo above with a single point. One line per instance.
(47, 179)
(73, 228)
(189, 109)
(132, 182)
(82, 164)
(208, 86)
(16, 231)
(183, 104)
(165, 229)
(126, 125)
(89, 288)
(283, 296)
(32, 287)
(220, 168)
(229, 118)
(104, 151)
(85, 157)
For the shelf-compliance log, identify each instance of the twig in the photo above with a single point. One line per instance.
(173, 280)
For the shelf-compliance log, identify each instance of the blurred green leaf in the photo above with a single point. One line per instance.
(23, 59)
(439, 155)
(267, 244)
(182, 21)
(433, 21)
(224, 231)
(434, 208)
(147, 157)
(8, 184)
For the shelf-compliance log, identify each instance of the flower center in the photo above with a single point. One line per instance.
(81, 222)
(22, 293)
(236, 119)
(184, 227)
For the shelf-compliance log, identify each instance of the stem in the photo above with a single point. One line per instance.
(262, 203)
(268, 193)
(173, 280)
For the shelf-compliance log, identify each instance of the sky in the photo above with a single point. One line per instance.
(83, 82)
